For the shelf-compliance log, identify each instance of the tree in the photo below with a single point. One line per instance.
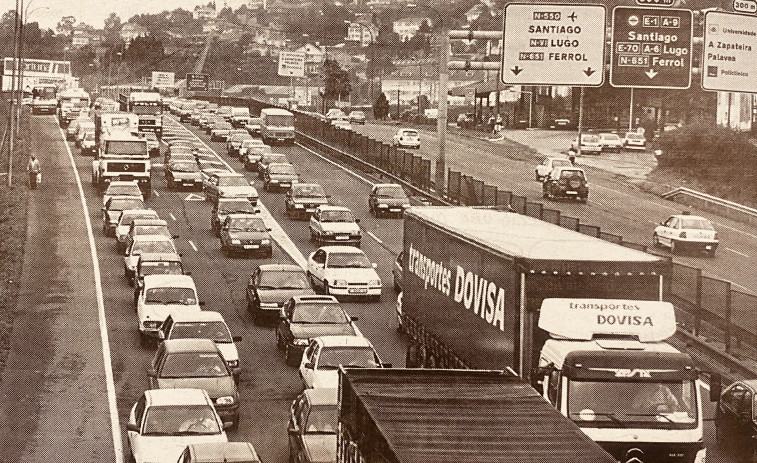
(336, 80)
(381, 107)
(112, 25)
(66, 25)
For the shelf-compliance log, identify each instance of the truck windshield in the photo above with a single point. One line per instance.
(658, 405)
(126, 147)
(280, 120)
(44, 93)
(151, 107)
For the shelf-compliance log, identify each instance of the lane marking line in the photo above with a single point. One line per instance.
(193, 245)
(737, 252)
(107, 365)
(173, 217)
(375, 237)
(336, 165)
(156, 193)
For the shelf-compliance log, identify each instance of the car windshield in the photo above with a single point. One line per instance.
(141, 247)
(286, 169)
(322, 419)
(251, 142)
(254, 121)
(193, 365)
(222, 126)
(232, 181)
(160, 268)
(390, 192)
(121, 204)
(634, 136)
(283, 280)
(611, 136)
(126, 190)
(270, 158)
(229, 207)
(89, 136)
(561, 163)
(696, 223)
(126, 218)
(216, 331)
(185, 167)
(319, 313)
(151, 230)
(357, 114)
(170, 295)
(616, 403)
(249, 224)
(333, 357)
(309, 191)
(180, 420)
(337, 216)
(590, 139)
(348, 260)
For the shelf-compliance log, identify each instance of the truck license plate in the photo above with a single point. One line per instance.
(251, 246)
(357, 291)
(310, 210)
(342, 237)
(571, 192)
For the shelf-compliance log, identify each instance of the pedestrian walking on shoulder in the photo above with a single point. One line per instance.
(34, 170)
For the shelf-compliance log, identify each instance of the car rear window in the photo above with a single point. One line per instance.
(699, 224)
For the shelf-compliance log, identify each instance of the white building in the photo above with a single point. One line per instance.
(362, 32)
(204, 12)
(406, 28)
(131, 31)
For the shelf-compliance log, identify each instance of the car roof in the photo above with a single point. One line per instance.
(343, 341)
(387, 185)
(307, 185)
(227, 173)
(689, 216)
(152, 238)
(201, 316)
(140, 211)
(156, 221)
(123, 183)
(243, 215)
(328, 207)
(342, 249)
(226, 452)
(302, 298)
(281, 268)
(169, 281)
(322, 396)
(190, 345)
(159, 257)
(177, 396)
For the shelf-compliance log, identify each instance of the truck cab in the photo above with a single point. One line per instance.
(122, 156)
(148, 106)
(612, 374)
(71, 104)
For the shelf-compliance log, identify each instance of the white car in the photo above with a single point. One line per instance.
(205, 324)
(343, 271)
(334, 225)
(164, 422)
(634, 141)
(122, 188)
(590, 143)
(321, 360)
(342, 124)
(161, 296)
(145, 243)
(124, 223)
(611, 142)
(543, 169)
(407, 138)
(684, 231)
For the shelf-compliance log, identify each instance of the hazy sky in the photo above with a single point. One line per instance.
(48, 12)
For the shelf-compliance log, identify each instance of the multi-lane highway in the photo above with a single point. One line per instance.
(73, 354)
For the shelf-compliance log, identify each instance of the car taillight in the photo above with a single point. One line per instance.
(716, 235)
(682, 234)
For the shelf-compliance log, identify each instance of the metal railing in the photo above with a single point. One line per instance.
(712, 203)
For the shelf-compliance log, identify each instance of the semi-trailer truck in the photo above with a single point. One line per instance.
(582, 319)
(148, 106)
(441, 416)
(71, 103)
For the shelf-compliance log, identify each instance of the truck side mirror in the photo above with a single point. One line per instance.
(716, 386)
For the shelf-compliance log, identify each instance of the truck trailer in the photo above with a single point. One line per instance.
(440, 416)
(580, 318)
(71, 103)
(120, 155)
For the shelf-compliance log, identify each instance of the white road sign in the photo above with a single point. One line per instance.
(162, 79)
(728, 52)
(553, 44)
(292, 63)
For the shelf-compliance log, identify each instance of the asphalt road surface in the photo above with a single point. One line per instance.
(55, 396)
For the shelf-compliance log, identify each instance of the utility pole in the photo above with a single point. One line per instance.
(14, 82)
(440, 177)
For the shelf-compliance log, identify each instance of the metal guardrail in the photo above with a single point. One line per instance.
(751, 213)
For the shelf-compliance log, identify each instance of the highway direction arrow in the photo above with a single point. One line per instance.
(728, 52)
(194, 197)
(651, 47)
(553, 44)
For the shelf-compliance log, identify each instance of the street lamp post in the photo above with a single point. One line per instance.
(420, 83)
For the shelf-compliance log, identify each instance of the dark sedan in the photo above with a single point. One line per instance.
(271, 285)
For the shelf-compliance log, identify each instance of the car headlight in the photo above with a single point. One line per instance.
(301, 342)
(382, 205)
(233, 363)
(225, 400)
(328, 232)
(273, 180)
(299, 206)
(150, 324)
(406, 206)
(374, 283)
(340, 283)
(265, 242)
(236, 242)
(269, 305)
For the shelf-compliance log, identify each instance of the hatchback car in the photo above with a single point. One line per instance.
(229, 185)
(225, 206)
(196, 363)
(270, 158)
(124, 224)
(685, 231)
(88, 145)
(146, 226)
(334, 225)
(736, 419)
(343, 271)
(164, 421)
(356, 117)
(543, 169)
(253, 126)
(113, 208)
(407, 138)
(611, 142)
(279, 176)
(245, 234)
(226, 452)
(634, 141)
(387, 199)
(235, 142)
(220, 131)
(319, 367)
(305, 317)
(205, 324)
(161, 296)
(590, 144)
(251, 151)
(270, 286)
(566, 182)
(183, 174)
(155, 263)
(313, 425)
(145, 243)
(303, 198)
(122, 188)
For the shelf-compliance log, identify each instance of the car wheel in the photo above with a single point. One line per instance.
(279, 341)
(673, 247)
(326, 287)
(397, 288)
(143, 340)
(289, 357)
(711, 253)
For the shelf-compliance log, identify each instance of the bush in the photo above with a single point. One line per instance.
(698, 146)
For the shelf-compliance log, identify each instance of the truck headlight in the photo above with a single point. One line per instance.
(340, 283)
(236, 242)
(383, 206)
(265, 242)
(269, 305)
(273, 180)
(301, 342)
(299, 206)
(225, 400)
